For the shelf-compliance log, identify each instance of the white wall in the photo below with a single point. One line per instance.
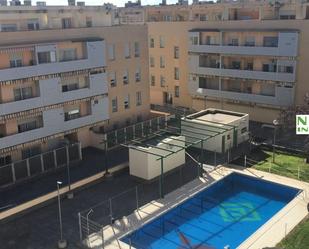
(147, 166)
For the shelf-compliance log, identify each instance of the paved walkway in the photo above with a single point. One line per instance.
(93, 162)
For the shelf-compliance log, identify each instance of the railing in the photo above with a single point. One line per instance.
(39, 164)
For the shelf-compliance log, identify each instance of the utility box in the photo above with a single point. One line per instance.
(223, 129)
(146, 165)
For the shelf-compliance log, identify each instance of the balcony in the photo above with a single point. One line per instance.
(95, 58)
(51, 93)
(54, 123)
(237, 73)
(283, 96)
(287, 46)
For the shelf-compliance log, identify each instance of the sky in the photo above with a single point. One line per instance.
(119, 3)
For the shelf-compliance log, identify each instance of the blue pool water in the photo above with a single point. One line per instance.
(226, 213)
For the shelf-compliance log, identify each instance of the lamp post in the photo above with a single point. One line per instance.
(276, 123)
(62, 243)
(107, 174)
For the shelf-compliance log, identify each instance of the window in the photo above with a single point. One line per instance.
(16, 63)
(176, 52)
(88, 21)
(111, 51)
(8, 27)
(22, 93)
(46, 57)
(167, 18)
(250, 41)
(162, 62)
(66, 23)
(73, 114)
(152, 43)
(236, 64)
(153, 80)
(289, 69)
(127, 52)
(203, 17)
(152, 61)
(114, 105)
(5, 160)
(194, 40)
(138, 75)
(67, 54)
(177, 91)
(30, 152)
(270, 41)
(27, 126)
(126, 102)
(136, 49)
(162, 43)
(126, 77)
(162, 81)
(234, 42)
(33, 24)
(228, 137)
(138, 98)
(176, 73)
(249, 66)
(243, 130)
(113, 80)
(70, 87)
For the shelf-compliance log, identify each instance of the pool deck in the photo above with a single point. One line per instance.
(268, 235)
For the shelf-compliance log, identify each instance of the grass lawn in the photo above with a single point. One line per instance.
(285, 164)
(298, 238)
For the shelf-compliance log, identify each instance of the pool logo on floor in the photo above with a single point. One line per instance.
(243, 211)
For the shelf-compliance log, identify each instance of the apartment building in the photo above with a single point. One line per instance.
(252, 64)
(63, 85)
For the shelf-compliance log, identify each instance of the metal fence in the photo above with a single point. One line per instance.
(94, 219)
(141, 129)
(39, 164)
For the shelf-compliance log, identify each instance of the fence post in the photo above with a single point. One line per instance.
(80, 151)
(13, 172)
(136, 195)
(245, 162)
(103, 244)
(142, 124)
(125, 134)
(134, 131)
(110, 210)
(42, 163)
(55, 158)
(298, 172)
(28, 167)
(80, 227)
(215, 158)
(228, 156)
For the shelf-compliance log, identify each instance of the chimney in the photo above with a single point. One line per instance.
(163, 2)
(80, 4)
(41, 4)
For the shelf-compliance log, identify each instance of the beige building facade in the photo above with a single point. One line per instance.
(62, 86)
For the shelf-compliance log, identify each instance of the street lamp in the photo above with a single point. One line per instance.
(62, 243)
(276, 123)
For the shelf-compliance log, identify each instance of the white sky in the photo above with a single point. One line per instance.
(119, 3)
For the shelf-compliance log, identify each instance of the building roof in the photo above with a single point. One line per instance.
(249, 30)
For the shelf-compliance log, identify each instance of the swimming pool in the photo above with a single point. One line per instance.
(225, 213)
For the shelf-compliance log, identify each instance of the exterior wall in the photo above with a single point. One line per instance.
(147, 166)
(264, 110)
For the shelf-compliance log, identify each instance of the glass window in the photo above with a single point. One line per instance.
(136, 49)
(67, 54)
(162, 81)
(162, 62)
(30, 152)
(162, 42)
(88, 21)
(46, 57)
(152, 61)
(127, 52)
(138, 98)
(177, 91)
(73, 114)
(114, 105)
(33, 24)
(153, 80)
(176, 52)
(27, 126)
(126, 102)
(176, 73)
(138, 75)
(152, 43)
(16, 63)
(270, 41)
(8, 27)
(22, 93)
(113, 80)
(126, 77)
(66, 23)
